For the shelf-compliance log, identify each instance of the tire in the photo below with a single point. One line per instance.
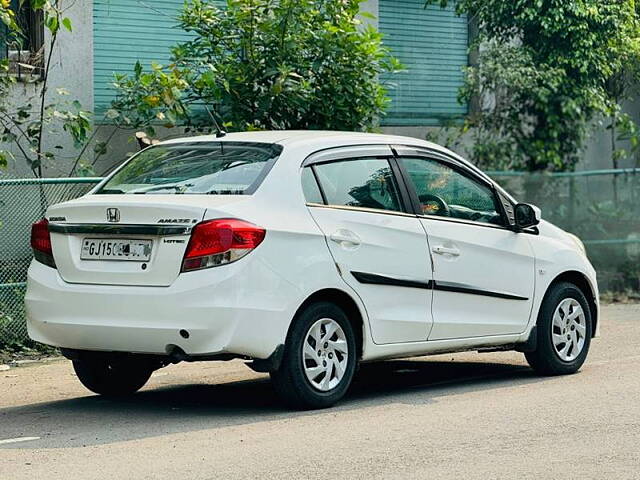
(113, 379)
(551, 356)
(291, 381)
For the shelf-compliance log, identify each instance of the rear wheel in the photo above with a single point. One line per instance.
(563, 330)
(112, 378)
(319, 358)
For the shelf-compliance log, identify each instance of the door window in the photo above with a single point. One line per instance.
(310, 187)
(363, 183)
(444, 191)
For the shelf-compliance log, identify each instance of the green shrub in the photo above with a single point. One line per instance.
(264, 64)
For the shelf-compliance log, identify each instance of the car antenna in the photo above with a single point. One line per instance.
(219, 131)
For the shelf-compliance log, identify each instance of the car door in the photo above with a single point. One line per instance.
(484, 273)
(379, 248)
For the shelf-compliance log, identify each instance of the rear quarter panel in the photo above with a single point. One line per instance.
(294, 247)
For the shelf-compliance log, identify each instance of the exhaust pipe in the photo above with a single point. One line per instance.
(176, 354)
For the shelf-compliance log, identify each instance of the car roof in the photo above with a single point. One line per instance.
(287, 137)
(319, 139)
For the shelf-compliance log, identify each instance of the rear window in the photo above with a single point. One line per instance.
(216, 168)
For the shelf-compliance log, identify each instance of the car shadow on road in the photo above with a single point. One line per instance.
(94, 420)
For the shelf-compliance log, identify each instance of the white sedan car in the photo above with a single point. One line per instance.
(304, 253)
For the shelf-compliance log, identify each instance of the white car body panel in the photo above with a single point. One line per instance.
(246, 308)
(396, 315)
(495, 261)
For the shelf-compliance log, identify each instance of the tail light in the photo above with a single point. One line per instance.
(41, 243)
(221, 241)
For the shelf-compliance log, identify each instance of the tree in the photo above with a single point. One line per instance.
(263, 64)
(547, 69)
(26, 124)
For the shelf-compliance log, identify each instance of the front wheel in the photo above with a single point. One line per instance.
(319, 359)
(112, 378)
(564, 331)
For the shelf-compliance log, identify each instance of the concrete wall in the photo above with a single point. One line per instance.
(72, 69)
(371, 7)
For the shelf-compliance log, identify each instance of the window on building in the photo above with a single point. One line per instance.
(432, 43)
(24, 49)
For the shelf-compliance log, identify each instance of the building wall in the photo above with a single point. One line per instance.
(432, 44)
(597, 153)
(71, 68)
(110, 35)
(126, 33)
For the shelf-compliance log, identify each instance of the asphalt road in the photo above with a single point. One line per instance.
(472, 416)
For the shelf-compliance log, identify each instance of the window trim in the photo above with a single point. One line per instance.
(362, 209)
(464, 171)
(351, 152)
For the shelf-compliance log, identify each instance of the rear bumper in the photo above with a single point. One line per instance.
(243, 308)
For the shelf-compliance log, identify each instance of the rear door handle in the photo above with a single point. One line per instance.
(345, 237)
(442, 250)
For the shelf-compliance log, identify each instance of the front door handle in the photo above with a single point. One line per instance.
(442, 250)
(345, 237)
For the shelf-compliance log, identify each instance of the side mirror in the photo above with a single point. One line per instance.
(526, 216)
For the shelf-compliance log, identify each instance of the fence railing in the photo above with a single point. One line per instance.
(23, 202)
(602, 207)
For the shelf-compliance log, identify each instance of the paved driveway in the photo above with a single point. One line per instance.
(451, 416)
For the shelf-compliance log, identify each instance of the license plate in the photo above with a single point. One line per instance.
(116, 249)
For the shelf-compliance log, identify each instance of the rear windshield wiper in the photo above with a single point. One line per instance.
(111, 191)
(176, 187)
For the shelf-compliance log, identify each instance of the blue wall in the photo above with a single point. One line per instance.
(126, 31)
(432, 44)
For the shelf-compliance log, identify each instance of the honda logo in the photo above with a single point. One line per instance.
(113, 215)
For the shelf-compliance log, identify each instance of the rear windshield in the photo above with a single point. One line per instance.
(216, 168)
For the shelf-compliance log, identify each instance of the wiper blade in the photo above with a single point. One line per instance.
(177, 187)
(111, 191)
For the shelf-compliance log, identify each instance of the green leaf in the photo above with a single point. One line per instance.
(4, 158)
(52, 24)
(100, 148)
(67, 24)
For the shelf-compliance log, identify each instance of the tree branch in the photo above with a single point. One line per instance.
(45, 75)
(17, 141)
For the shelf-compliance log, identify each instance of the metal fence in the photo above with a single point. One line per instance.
(601, 207)
(23, 202)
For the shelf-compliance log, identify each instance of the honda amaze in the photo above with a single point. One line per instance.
(303, 253)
